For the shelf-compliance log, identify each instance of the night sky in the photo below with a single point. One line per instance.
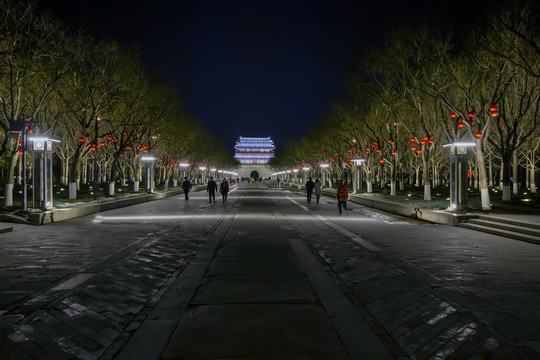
(252, 67)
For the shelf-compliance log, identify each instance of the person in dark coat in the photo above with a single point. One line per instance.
(211, 188)
(309, 189)
(224, 189)
(186, 185)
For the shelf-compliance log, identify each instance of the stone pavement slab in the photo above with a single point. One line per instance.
(254, 330)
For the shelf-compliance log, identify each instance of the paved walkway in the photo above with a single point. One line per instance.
(264, 276)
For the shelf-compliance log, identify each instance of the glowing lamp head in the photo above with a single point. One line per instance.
(460, 125)
(478, 134)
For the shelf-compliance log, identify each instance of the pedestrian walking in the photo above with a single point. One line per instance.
(317, 187)
(342, 195)
(211, 188)
(186, 185)
(309, 189)
(278, 182)
(224, 189)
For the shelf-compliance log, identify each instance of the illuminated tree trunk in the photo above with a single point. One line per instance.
(515, 182)
(8, 192)
(532, 173)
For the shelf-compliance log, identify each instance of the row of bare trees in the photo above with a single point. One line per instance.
(426, 88)
(84, 92)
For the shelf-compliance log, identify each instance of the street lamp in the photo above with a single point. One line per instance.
(42, 170)
(324, 167)
(357, 175)
(149, 160)
(458, 174)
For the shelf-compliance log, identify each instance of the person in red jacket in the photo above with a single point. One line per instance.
(342, 195)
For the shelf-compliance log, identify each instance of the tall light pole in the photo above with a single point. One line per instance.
(95, 157)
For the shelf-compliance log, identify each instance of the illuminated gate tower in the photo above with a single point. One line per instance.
(253, 153)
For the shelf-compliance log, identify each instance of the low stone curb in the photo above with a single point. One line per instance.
(56, 215)
(411, 211)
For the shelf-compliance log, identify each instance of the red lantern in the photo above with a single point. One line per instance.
(478, 134)
(20, 142)
(460, 125)
(109, 137)
(394, 152)
(412, 139)
(374, 145)
(389, 141)
(20, 151)
(422, 142)
(494, 113)
(470, 114)
(125, 133)
(102, 143)
(355, 153)
(378, 151)
(134, 136)
(81, 139)
(350, 150)
(381, 161)
(93, 148)
(492, 108)
(453, 115)
(113, 140)
(413, 148)
(431, 141)
(123, 151)
(418, 151)
(14, 133)
(138, 154)
(153, 149)
(129, 147)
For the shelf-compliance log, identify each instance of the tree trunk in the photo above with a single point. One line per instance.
(506, 195)
(532, 181)
(426, 178)
(482, 177)
(515, 182)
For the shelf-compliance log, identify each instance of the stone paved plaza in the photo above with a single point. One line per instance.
(265, 275)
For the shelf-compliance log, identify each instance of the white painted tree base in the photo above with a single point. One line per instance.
(8, 195)
(73, 191)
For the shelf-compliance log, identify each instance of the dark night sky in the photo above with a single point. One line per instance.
(253, 67)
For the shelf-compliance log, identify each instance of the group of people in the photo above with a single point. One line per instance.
(211, 188)
(342, 194)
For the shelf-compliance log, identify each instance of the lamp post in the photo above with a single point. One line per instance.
(149, 160)
(42, 177)
(357, 175)
(324, 167)
(458, 175)
(95, 157)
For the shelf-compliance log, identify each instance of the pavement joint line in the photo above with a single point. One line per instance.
(349, 234)
(189, 279)
(348, 322)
